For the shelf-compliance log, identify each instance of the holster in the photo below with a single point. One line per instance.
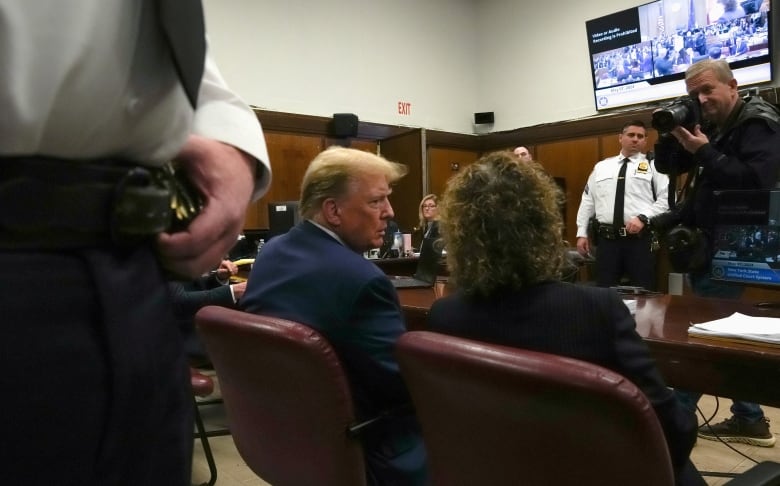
(48, 203)
(593, 231)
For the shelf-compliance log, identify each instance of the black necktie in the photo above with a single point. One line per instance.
(620, 195)
(182, 23)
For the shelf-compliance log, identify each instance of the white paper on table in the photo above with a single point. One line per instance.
(740, 326)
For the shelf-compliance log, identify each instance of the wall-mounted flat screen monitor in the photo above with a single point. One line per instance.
(640, 55)
(282, 216)
(746, 240)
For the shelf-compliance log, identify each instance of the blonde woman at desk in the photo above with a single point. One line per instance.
(501, 222)
(428, 226)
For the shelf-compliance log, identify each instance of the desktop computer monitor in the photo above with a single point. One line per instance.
(282, 216)
(746, 237)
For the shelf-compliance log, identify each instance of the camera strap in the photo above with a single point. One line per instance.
(688, 190)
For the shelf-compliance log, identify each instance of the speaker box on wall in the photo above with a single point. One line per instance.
(484, 117)
(344, 125)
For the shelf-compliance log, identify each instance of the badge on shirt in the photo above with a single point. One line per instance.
(643, 167)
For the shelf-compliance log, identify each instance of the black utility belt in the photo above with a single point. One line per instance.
(610, 232)
(48, 203)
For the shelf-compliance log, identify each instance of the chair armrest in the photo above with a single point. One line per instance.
(765, 473)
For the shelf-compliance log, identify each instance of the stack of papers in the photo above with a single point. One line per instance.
(739, 327)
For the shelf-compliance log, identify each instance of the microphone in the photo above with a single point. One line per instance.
(650, 156)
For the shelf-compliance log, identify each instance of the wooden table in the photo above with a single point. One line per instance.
(406, 265)
(398, 266)
(727, 369)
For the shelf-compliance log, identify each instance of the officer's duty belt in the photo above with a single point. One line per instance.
(611, 232)
(48, 203)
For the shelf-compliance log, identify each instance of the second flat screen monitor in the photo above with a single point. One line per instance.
(282, 216)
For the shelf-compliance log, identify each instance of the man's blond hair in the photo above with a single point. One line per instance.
(719, 67)
(330, 173)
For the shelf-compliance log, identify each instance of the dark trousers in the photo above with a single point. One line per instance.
(95, 388)
(625, 256)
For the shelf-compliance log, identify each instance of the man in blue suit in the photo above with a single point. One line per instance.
(316, 274)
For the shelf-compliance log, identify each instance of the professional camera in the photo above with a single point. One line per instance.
(684, 111)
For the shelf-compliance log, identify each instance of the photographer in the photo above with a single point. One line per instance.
(734, 145)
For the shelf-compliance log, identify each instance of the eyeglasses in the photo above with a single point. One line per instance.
(428, 206)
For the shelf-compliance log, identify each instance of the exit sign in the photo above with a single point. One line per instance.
(404, 108)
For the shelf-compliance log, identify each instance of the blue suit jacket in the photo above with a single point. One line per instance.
(588, 323)
(307, 276)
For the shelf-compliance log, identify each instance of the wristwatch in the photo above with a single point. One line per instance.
(644, 219)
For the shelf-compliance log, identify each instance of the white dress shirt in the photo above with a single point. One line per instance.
(87, 79)
(646, 191)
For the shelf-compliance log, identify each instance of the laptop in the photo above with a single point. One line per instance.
(427, 268)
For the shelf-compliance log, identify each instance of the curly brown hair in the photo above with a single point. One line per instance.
(501, 223)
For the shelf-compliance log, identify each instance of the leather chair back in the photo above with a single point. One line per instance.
(287, 399)
(499, 415)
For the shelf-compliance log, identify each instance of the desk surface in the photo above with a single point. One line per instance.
(735, 370)
(406, 265)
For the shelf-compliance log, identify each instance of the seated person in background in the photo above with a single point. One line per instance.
(664, 65)
(189, 296)
(429, 220)
(523, 154)
(316, 274)
(731, 11)
(501, 223)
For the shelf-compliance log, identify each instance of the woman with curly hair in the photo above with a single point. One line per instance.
(500, 220)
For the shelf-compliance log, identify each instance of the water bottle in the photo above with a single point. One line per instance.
(398, 244)
(260, 244)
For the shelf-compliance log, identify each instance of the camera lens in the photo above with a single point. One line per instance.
(664, 121)
(682, 112)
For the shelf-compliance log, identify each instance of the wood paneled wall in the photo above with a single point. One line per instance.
(406, 149)
(573, 160)
(566, 149)
(443, 163)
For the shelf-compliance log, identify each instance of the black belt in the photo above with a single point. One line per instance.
(611, 232)
(48, 203)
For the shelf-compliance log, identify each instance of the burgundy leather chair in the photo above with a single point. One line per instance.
(499, 415)
(288, 402)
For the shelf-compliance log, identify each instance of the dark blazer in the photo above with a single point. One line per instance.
(430, 230)
(308, 276)
(187, 298)
(588, 323)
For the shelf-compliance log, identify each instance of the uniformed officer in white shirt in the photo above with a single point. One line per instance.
(624, 246)
(95, 384)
